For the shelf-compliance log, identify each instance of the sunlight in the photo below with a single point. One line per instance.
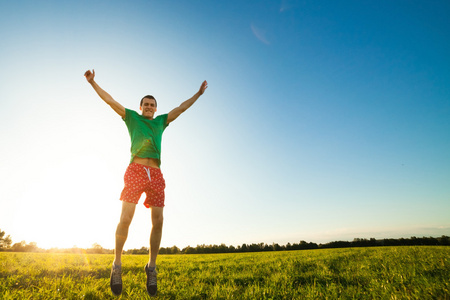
(61, 209)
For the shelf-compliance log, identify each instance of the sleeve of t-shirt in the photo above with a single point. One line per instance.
(128, 115)
(164, 120)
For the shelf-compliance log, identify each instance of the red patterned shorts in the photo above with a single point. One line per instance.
(140, 178)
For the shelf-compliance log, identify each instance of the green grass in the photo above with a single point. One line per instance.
(420, 272)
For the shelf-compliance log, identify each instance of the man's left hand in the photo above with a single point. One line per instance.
(203, 87)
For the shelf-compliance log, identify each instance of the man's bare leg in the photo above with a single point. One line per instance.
(155, 235)
(121, 236)
(155, 240)
(122, 229)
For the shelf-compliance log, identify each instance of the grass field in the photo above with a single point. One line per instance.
(420, 272)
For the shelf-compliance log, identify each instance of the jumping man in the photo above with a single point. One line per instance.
(142, 175)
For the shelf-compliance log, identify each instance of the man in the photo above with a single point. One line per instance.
(142, 175)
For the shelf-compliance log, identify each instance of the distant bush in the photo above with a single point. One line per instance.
(5, 242)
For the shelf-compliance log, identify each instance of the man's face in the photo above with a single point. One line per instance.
(148, 108)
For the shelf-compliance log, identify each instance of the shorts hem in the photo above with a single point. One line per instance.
(149, 206)
(129, 201)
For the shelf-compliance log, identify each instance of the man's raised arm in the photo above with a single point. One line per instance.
(176, 112)
(116, 106)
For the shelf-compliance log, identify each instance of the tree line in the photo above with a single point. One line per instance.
(6, 245)
(302, 245)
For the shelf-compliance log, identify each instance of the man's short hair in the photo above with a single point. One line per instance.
(148, 97)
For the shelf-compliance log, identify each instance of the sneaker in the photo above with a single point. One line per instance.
(151, 281)
(116, 280)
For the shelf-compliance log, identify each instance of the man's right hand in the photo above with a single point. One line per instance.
(90, 75)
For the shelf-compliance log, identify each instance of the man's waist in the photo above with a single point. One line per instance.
(147, 161)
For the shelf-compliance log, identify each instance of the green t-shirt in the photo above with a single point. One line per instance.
(145, 134)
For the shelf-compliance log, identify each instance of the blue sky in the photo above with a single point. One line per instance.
(323, 120)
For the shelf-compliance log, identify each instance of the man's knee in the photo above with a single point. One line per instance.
(157, 218)
(157, 222)
(127, 214)
(125, 220)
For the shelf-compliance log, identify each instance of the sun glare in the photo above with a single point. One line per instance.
(65, 207)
